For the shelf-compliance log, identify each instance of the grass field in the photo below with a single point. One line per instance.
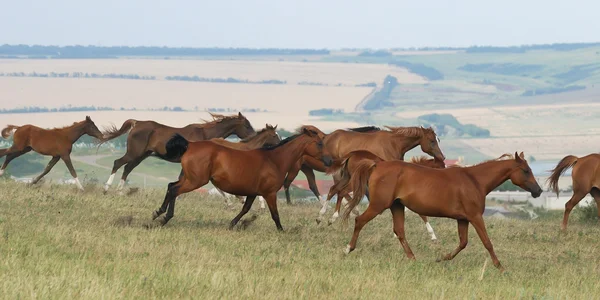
(58, 243)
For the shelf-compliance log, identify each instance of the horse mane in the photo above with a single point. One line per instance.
(283, 142)
(269, 127)
(365, 129)
(413, 131)
(217, 118)
(502, 157)
(419, 159)
(68, 126)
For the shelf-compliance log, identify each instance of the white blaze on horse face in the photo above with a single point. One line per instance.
(78, 183)
(430, 230)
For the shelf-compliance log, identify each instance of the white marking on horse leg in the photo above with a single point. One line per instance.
(262, 202)
(334, 217)
(78, 183)
(430, 230)
(109, 182)
(347, 250)
(395, 235)
(1, 172)
(121, 185)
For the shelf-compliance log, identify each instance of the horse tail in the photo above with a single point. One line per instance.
(359, 179)
(112, 131)
(341, 165)
(564, 164)
(9, 130)
(176, 147)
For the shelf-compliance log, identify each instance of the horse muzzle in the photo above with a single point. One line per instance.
(327, 160)
(537, 193)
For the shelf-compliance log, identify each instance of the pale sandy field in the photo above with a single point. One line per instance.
(547, 131)
(292, 72)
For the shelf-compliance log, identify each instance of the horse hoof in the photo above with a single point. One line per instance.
(329, 223)
(318, 221)
(348, 250)
(155, 215)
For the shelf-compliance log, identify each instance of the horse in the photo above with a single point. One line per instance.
(389, 144)
(265, 137)
(147, 137)
(456, 193)
(57, 142)
(346, 166)
(586, 179)
(251, 173)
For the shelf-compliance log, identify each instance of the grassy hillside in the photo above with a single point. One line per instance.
(58, 243)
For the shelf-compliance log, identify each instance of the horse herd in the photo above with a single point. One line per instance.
(366, 161)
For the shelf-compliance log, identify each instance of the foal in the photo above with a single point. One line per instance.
(456, 193)
(250, 173)
(57, 142)
(345, 167)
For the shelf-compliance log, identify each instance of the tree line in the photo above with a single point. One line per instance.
(90, 51)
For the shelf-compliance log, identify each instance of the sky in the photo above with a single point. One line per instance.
(329, 24)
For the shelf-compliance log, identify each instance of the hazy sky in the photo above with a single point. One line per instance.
(298, 24)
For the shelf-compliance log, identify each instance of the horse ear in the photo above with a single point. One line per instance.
(88, 118)
(275, 127)
(517, 157)
(240, 114)
(522, 155)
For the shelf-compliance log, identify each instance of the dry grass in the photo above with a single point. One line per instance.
(57, 244)
(292, 72)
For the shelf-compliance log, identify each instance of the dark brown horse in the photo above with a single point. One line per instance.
(345, 167)
(147, 137)
(57, 142)
(456, 193)
(586, 180)
(389, 144)
(266, 137)
(250, 173)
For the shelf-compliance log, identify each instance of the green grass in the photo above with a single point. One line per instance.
(58, 243)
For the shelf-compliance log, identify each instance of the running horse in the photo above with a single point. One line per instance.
(57, 142)
(251, 173)
(265, 137)
(456, 193)
(148, 137)
(347, 166)
(586, 180)
(389, 144)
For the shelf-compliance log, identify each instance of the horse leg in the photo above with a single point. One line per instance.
(359, 223)
(261, 199)
(128, 168)
(67, 160)
(463, 236)
(272, 203)
(575, 199)
(163, 207)
(227, 203)
(289, 179)
(479, 225)
(10, 157)
(398, 216)
(336, 213)
(181, 187)
(118, 163)
(49, 167)
(596, 194)
(428, 227)
(245, 209)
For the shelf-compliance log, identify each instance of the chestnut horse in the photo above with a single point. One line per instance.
(346, 167)
(266, 137)
(389, 145)
(249, 173)
(586, 179)
(147, 137)
(456, 193)
(57, 142)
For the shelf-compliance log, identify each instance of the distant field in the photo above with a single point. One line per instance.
(292, 72)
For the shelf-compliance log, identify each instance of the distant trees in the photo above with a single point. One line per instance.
(553, 90)
(525, 48)
(381, 98)
(325, 112)
(78, 75)
(420, 69)
(502, 69)
(37, 109)
(378, 53)
(223, 80)
(77, 51)
(448, 125)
